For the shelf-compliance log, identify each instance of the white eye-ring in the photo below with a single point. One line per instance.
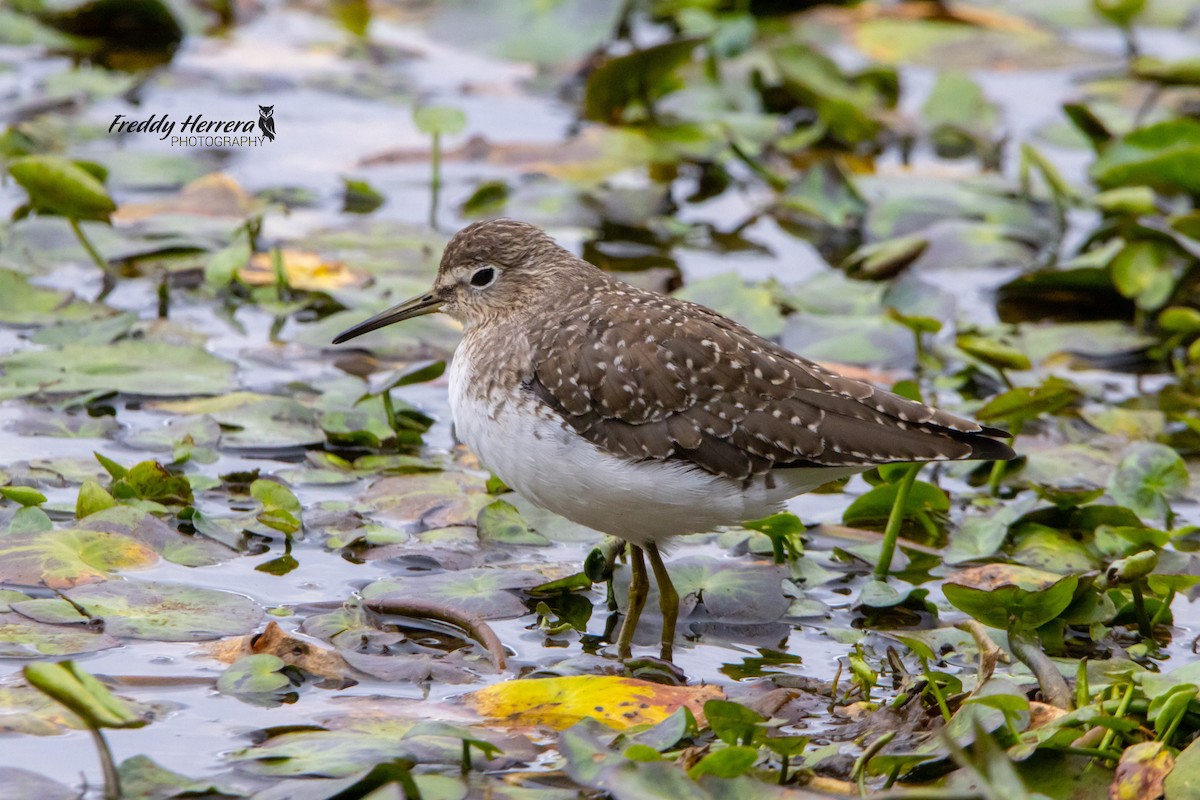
(483, 277)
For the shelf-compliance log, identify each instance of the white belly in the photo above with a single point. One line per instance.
(640, 501)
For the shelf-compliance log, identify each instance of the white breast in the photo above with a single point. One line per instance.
(534, 453)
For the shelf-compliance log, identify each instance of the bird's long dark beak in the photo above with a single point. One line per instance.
(413, 307)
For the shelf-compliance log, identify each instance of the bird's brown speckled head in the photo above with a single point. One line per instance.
(489, 270)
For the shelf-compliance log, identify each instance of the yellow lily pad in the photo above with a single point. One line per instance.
(561, 702)
(304, 270)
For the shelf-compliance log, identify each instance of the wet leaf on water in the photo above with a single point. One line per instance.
(435, 500)
(154, 610)
(64, 558)
(61, 187)
(74, 426)
(485, 592)
(559, 703)
(501, 523)
(946, 43)
(730, 591)
(23, 303)
(137, 367)
(179, 548)
(253, 421)
(142, 777)
(1147, 478)
(21, 637)
(352, 742)
(1050, 549)
(1004, 595)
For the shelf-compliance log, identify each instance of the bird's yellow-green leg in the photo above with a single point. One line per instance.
(668, 601)
(639, 587)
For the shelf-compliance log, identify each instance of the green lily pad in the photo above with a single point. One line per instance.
(434, 500)
(1147, 478)
(254, 421)
(501, 523)
(69, 557)
(258, 679)
(1004, 595)
(874, 507)
(485, 592)
(731, 591)
(152, 610)
(189, 550)
(137, 367)
(22, 303)
(942, 44)
(21, 637)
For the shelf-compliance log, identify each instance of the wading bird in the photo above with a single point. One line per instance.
(646, 417)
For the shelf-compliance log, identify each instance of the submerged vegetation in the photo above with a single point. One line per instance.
(275, 575)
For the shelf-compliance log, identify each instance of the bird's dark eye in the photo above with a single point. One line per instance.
(482, 277)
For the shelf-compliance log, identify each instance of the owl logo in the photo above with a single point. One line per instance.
(266, 121)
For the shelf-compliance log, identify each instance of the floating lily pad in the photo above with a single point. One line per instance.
(152, 610)
(561, 702)
(21, 637)
(69, 557)
(137, 367)
(22, 303)
(253, 421)
(351, 743)
(485, 592)
(1002, 595)
(1147, 478)
(433, 500)
(942, 44)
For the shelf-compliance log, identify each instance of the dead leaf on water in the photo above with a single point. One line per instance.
(215, 195)
(561, 702)
(1141, 772)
